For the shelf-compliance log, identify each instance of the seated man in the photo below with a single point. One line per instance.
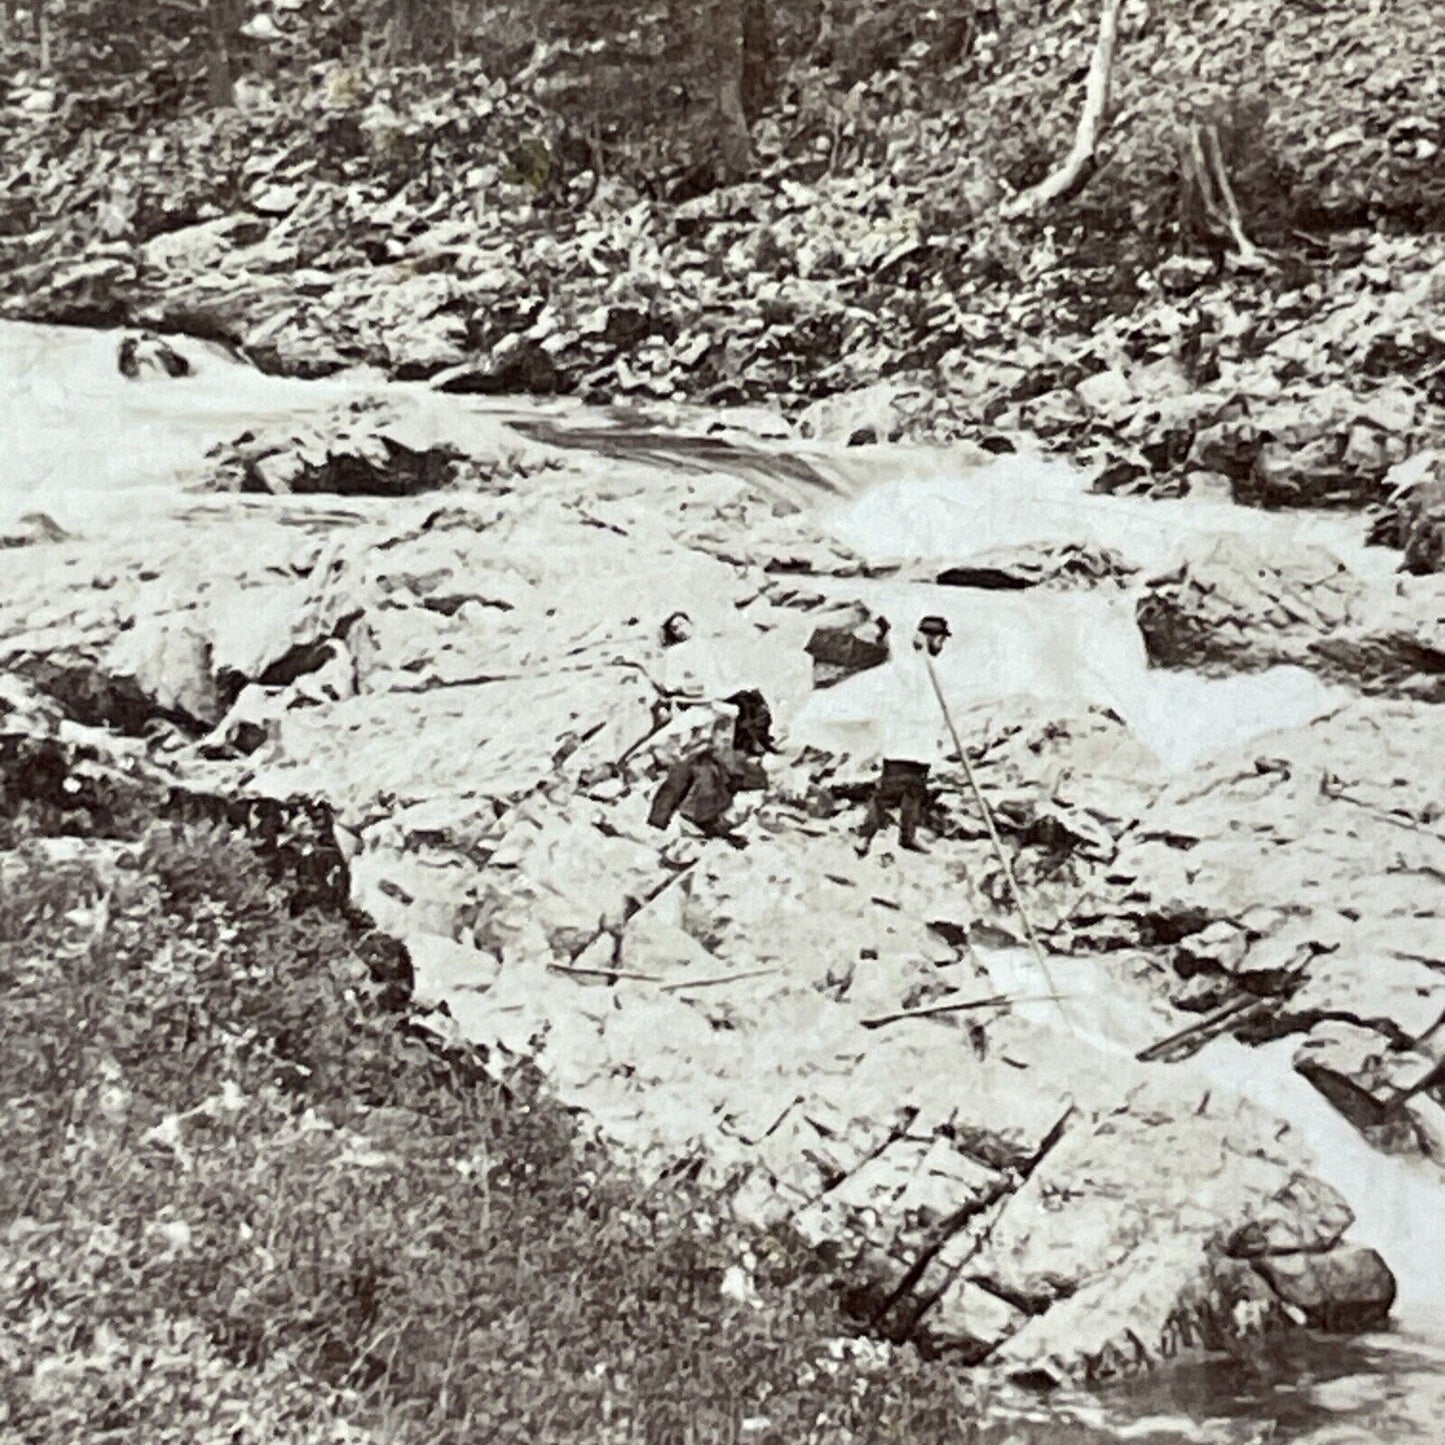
(693, 701)
(702, 785)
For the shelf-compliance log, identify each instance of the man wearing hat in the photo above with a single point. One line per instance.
(910, 738)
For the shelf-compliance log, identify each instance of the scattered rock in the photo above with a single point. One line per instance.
(1413, 517)
(868, 416)
(1349, 1288)
(146, 352)
(32, 529)
(843, 649)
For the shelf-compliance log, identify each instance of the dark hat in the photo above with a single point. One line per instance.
(934, 626)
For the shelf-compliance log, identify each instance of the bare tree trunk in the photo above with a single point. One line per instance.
(1207, 204)
(735, 144)
(40, 28)
(224, 19)
(1078, 166)
(421, 30)
(759, 58)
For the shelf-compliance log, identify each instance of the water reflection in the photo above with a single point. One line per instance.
(1309, 1390)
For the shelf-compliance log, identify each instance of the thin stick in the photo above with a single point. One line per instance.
(720, 979)
(613, 973)
(1201, 1029)
(997, 1000)
(997, 842)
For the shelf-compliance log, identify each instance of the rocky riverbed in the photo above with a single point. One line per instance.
(1208, 735)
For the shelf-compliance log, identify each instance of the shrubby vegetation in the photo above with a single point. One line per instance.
(241, 1201)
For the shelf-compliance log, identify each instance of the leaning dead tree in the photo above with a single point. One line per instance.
(1208, 209)
(1081, 161)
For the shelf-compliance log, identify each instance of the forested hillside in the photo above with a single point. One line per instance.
(728, 200)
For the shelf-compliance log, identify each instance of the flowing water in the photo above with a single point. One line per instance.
(94, 451)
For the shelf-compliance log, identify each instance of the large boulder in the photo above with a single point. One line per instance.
(1327, 446)
(1124, 1248)
(842, 646)
(1237, 608)
(1347, 1289)
(355, 453)
(143, 352)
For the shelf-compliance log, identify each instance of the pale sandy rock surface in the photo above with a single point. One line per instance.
(459, 677)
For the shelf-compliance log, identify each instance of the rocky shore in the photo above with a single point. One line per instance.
(436, 625)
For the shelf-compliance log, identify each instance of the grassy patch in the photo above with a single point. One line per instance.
(240, 1201)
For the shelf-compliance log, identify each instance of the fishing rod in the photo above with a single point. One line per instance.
(997, 842)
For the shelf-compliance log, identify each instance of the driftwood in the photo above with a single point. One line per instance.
(577, 971)
(1000, 1190)
(679, 985)
(1188, 1040)
(997, 1000)
(1079, 164)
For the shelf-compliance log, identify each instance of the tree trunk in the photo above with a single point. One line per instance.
(40, 29)
(759, 58)
(1208, 210)
(735, 144)
(224, 20)
(1078, 166)
(421, 30)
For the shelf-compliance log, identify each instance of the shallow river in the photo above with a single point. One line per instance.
(99, 453)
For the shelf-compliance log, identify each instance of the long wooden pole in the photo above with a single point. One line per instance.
(997, 842)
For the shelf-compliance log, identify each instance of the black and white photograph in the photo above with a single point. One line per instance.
(721, 722)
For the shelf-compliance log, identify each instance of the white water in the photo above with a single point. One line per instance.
(84, 445)
(1066, 652)
(80, 442)
(1398, 1201)
(930, 510)
(1070, 651)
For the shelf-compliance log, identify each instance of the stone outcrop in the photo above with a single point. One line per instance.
(1326, 448)
(1413, 515)
(857, 1052)
(1015, 569)
(1235, 608)
(1349, 1289)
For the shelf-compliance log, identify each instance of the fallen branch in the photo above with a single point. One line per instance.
(1332, 788)
(638, 904)
(1078, 166)
(997, 1000)
(1430, 1079)
(1201, 1031)
(1001, 1189)
(681, 984)
(609, 973)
